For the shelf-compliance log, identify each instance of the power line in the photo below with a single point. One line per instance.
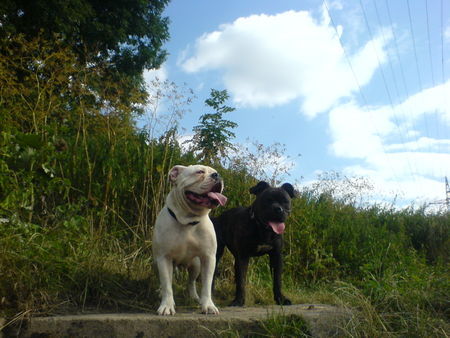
(402, 72)
(385, 81)
(432, 71)
(414, 45)
(429, 43)
(442, 62)
(413, 39)
(385, 41)
(446, 201)
(447, 194)
(356, 81)
(383, 72)
(442, 41)
(417, 61)
(397, 52)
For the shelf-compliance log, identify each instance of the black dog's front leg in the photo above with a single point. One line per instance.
(240, 276)
(276, 267)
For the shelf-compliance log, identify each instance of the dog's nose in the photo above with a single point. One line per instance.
(278, 209)
(215, 176)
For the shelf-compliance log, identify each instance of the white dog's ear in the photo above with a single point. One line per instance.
(175, 171)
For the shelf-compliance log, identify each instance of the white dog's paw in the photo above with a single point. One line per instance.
(166, 309)
(208, 307)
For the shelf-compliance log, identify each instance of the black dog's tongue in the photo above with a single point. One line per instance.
(217, 196)
(277, 227)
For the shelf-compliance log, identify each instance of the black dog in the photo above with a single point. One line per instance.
(255, 231)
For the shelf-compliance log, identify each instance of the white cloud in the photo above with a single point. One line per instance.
(270, 60)
(185, 141)
(153, 79)
(392, 158)
(423, 143)
(411, 189)
(447, 33)
(358, 133)
(408, 165)
(433, 100)
(268, 163)
(152, 74)
(369, 186)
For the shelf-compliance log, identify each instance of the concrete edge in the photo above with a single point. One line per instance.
(322, 321)
(2, 324)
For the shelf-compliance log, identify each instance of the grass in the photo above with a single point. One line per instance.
(48, 277)
(285, 326)
(72, 267)
(102, 274)
(411, 304)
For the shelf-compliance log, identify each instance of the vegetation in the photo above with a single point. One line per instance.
(117, 38)
(80, 186)
(212, 136)
(286, 326)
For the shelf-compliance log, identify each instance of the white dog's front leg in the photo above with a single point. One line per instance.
(208, 265)
(165, 268)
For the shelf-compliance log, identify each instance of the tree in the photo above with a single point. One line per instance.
(127, 34)
(44, 89)
(212, 136)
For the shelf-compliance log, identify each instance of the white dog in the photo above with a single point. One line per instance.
(184, 234)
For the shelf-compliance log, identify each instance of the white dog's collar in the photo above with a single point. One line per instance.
(176, 219)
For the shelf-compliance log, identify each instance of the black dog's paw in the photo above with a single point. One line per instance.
(237, 302)
(283, 301)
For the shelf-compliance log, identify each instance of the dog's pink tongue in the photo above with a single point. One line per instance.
(277, 227)
(218, 197)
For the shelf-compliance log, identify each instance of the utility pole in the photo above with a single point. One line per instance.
(447, 194)
(446, 201)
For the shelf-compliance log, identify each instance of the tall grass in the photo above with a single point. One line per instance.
(370, 259)
(80, 184)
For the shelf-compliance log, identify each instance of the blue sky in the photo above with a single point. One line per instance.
(357, 87)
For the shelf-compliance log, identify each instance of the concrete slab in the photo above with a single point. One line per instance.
(323, 321)
(2, 323)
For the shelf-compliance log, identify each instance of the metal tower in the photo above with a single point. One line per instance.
(447, 194)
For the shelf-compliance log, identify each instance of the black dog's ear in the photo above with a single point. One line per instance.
(289, 189)
(259, 188)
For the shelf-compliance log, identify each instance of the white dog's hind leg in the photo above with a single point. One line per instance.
(207, 267)
(165, 267)
(194, 272)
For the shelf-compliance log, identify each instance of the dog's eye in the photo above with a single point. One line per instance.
(200, 172)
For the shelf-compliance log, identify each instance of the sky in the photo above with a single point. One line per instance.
(360, 88)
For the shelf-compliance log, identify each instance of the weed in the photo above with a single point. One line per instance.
(285, 326)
